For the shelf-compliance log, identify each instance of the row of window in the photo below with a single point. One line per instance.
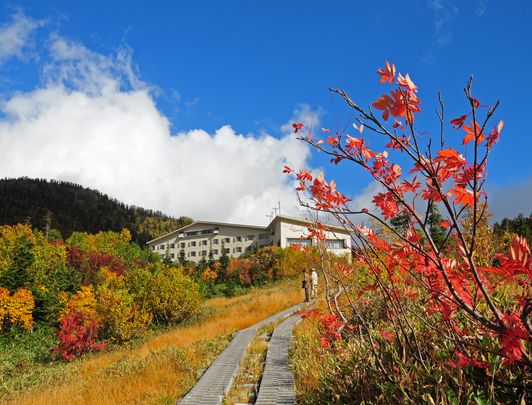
(215, 252)
(205, 242)
(330, 243)
(203, 232)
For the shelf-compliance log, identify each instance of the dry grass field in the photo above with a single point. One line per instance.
(162, 368)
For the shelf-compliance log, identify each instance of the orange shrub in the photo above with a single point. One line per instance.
(240, 269)
(17, 309)
(208, 275)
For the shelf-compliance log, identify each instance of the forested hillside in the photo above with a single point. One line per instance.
(69, 207)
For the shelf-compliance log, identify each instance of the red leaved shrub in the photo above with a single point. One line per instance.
(77, 335)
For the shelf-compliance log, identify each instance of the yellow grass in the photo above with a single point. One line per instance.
(165, 367)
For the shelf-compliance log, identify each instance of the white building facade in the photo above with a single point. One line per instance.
(207, 239)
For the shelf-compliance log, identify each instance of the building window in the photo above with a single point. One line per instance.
(204, 253)
(215, 251)
(161, 247)
(192, 233)
(172, 255)
(227, 240)
(237, 250)
(334, 244)
(215, 241)
(204, 242)
(251, 237)
(263, 236)
(226, 250)
(182, 245)
(193, 254)
(192, 243)
(172, 245)
(298, 241)
(206, 232)
(153, 248)
(237, 239)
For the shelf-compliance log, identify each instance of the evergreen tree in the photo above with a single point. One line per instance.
(71, 208)
(224, 258)
(202, 264)
(437, 232)
(210, 261)
(17, 275)
(519, 225)
(401, 222)
(167, 259)
(182, 258)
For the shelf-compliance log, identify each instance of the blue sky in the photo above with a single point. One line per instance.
(254, 66)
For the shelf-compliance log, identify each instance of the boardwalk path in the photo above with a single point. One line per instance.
(277, 385)
(217, 380)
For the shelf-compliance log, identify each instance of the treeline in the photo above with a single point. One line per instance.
(520, 225)
(69, 208)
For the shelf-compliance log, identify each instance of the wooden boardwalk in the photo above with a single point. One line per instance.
(217, 380)
(277, 386)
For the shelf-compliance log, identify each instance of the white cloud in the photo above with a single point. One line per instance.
(443, 15)
(94, 122)
(15, 36)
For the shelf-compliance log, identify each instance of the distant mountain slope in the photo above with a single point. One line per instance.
(70, 207)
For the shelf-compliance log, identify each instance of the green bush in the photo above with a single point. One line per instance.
(165, 292)
(120, 317)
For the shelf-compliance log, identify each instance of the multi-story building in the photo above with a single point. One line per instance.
(202, 238)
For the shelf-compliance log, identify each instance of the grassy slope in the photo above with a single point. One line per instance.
(160, 369)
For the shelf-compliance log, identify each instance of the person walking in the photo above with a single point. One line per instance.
(305, 283)
(314, 282)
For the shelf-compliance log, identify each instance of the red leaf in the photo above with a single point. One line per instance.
(297, 127)
(388, 73)
(458, 122)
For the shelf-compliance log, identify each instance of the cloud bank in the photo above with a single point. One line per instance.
(92, 121)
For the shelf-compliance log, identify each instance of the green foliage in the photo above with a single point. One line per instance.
(520, 225)
(437, 232)
(102, 278)
(173, 297)
(120, 318)
(224, 258)
(266, 265)
(68, 207)
(164, 292)
(182, 260)
(17, 274)
(20, 351)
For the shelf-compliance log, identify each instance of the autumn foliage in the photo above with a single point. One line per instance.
(16, 310)
(92, 289)
(77, 335)
(413, 302)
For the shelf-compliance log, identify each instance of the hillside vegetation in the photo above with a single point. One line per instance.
(61, 300)
(69, 208)
(155, 370)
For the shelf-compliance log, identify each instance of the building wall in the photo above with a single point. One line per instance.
(282, 232)
(234, 238)
(287, 233)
